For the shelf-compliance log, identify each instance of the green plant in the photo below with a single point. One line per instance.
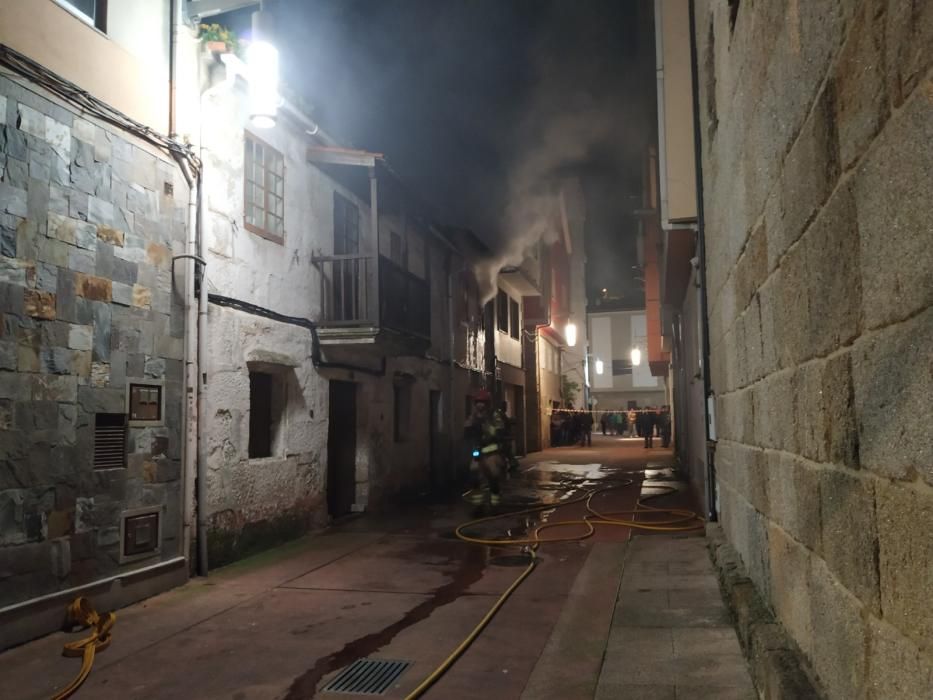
(217, 32)
(569, 389)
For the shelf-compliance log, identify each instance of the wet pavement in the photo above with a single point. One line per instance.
(400, 586)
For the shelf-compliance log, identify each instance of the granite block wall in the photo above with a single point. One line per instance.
(817, 129)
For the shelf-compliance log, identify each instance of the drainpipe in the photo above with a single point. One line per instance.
(450, 357)
(662, 135)
(191, 349)
(712, 514)
(192, 179)
(202, 386)
(374, 227)
(198, 249)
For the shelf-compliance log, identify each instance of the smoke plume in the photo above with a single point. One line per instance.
(576, 116)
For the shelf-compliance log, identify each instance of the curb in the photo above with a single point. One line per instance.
(777, 666)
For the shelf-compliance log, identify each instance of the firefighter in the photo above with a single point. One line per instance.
(484, 428)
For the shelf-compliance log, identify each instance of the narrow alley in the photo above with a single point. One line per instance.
(497, 349)
(596, 616)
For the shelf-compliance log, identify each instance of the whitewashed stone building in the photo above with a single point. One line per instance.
(336, 374)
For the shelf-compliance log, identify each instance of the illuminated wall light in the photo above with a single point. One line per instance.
(599, 366)
(636, 357)
(570, 333)
(262, 59)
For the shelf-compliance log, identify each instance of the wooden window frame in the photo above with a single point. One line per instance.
(261, 231)
(502, 326)
(515, 319)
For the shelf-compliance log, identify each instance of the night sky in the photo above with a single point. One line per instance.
(477, 102)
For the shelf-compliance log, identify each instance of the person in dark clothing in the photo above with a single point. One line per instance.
(604, 421)
(586, 429)
(647, 419)
(664, 422)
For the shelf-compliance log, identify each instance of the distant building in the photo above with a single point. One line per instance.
(622, 385)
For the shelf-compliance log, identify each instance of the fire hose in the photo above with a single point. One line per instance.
(681, 520)
(82, 613)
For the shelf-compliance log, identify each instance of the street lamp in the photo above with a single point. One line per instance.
(263, 60)
(599, 366)
(570, 333)
(636, 357)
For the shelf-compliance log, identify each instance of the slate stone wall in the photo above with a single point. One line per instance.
(817, 128)
(89, 219)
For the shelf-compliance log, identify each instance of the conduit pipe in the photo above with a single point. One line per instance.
(712, 514)
(198, 248)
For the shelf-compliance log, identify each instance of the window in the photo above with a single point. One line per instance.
(267, 399)
(145, 403)
(264, 178)
(94, 12)
(402, 411)
(397, 250)
(109, 440)
(514, 329)
(348, 274)
(346, 226)
(502, 311)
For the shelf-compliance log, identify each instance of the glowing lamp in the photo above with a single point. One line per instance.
(570, 333)
(636, 357)
(599, 366)
(263, 61)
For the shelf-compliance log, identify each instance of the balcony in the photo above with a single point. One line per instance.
(357, 310)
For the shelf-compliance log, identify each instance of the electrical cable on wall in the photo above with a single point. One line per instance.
(88, 104)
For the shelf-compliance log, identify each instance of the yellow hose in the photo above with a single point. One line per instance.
(593, 517)
(81, 612)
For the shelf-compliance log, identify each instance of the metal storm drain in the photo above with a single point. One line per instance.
(367, 677)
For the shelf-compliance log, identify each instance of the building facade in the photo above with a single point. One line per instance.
(94, 204)
(679, 284)
(339, 358)
(622, 385)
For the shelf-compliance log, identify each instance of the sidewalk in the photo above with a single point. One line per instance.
(671, 637)
(601, 617)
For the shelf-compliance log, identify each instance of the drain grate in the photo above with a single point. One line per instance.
(367, 677)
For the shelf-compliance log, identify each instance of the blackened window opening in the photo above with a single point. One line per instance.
(502, 312)
(260, 415)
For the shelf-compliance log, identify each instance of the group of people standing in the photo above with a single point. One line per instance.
(489, 432)
(571, 427)
(646, 423)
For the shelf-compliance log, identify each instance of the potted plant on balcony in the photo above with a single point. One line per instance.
(218, 39)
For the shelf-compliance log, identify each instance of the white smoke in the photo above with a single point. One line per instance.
(575, 116)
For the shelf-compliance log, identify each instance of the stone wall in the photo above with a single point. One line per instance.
(817, 132)
(89, 220)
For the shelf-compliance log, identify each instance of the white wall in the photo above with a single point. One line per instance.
(127, 67)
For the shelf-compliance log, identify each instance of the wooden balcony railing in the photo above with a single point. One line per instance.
(349, 297)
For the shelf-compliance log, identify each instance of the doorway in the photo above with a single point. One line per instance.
(341, 449)
(438, 445)
(518, 414)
